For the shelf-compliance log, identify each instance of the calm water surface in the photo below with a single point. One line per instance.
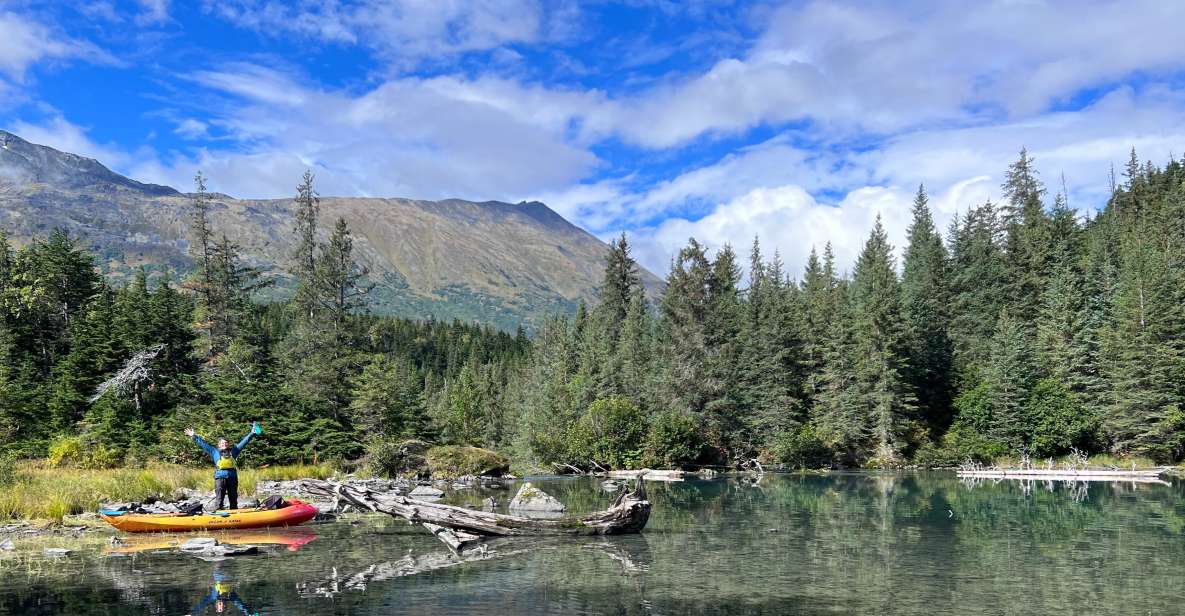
(847, 543)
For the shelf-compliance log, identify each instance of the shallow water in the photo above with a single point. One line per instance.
(841, 543)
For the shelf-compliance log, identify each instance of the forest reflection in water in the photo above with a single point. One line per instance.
(915, 543)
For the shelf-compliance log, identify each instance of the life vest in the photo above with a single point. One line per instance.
(225, 462)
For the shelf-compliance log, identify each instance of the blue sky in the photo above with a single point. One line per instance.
(799, 121)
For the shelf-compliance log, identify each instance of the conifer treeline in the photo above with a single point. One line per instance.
(1026, 327)
(1031, 329)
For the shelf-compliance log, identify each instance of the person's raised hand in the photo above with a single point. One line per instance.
(189, 432)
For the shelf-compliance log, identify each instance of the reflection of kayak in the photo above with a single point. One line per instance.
(292, 538)
(295, 513)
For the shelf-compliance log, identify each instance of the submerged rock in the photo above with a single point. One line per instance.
(7, 545)
(610, 486)
(199, 543)
(530, 498)
(57, 552)
(426, 492)
(208, 547)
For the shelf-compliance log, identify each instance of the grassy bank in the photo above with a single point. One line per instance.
(40, 492)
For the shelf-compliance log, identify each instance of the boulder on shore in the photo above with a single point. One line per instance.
(530, 498)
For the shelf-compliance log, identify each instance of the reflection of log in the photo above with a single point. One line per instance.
(633, 561)
(1149, 475)
(459, 527)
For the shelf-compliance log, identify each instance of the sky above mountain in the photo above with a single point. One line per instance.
(799, 122)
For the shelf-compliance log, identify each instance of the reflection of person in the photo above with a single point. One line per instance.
(226, 475)
(220, 594)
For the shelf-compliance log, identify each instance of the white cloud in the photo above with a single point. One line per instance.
(190, 128)
(61, 134)
(787, 219)
(887, 66)
(25, 41)
(399, 29)
(424, 138)
(153, 12)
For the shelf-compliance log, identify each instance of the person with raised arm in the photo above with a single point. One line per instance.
(226, 475)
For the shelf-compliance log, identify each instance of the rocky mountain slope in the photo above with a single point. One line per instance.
(500, 263)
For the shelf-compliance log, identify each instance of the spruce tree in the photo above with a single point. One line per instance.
(1009, 377)
(925, 304)
(887, 402)
(304, 256)
(1029, 245)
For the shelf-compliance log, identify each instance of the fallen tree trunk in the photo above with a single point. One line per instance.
(649, 474)
(459, 527)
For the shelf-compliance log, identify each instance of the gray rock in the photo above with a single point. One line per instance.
(7, 545)
(56, 552)
(530, 498)
(426, 492)
(199, 544)
(489, 504)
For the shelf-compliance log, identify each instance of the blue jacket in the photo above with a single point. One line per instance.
(216, 455)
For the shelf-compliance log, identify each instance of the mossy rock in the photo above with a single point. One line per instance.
(449, 461)
(397, 458)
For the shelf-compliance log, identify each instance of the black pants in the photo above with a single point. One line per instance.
(227, 487)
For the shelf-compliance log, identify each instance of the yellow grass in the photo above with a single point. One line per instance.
(41, 492)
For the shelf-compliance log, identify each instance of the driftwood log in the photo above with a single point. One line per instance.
(459, 527)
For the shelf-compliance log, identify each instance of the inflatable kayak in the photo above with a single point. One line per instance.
(294, 513)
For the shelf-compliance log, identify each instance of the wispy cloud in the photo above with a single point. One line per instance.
(400, 30)
(25, 41)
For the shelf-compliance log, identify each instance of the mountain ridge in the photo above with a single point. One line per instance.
(505, 264)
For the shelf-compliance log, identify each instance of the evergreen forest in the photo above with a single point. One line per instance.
(1024, 328)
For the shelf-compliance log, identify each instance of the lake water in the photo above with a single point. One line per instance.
(835, 544)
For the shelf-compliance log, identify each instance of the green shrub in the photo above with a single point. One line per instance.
(72, 452)
(801, 448)
(1059, 420)
(101, 456)
(388, 458)
(610, 433)
(8, 474)
(459, 460)
(672, 442)
(960, 444)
